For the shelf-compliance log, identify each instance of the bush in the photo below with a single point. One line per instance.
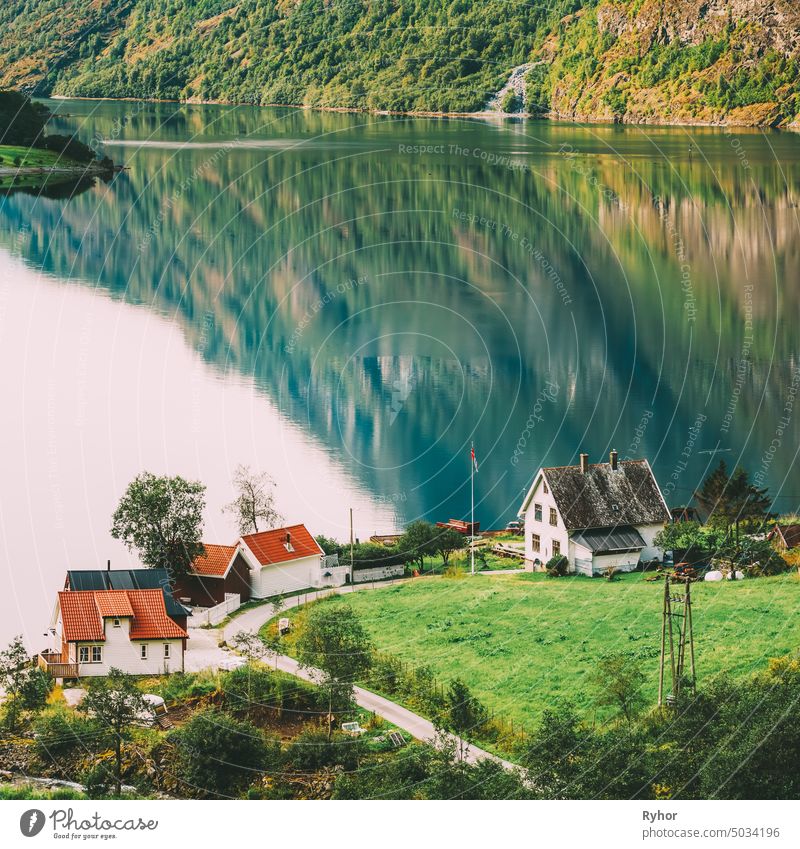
(510, 102)
(557, 566)
(313, 750)
(35, 689)
(219, 755)
(60, 731)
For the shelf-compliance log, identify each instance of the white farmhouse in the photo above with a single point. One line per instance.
(285, 560)
(598, 516)
(98, 630)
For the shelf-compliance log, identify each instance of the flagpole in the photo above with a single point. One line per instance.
(472, 509)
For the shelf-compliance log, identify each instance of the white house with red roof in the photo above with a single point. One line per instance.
(284, 560)
(98, 630)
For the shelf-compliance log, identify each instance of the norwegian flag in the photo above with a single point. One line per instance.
(474, 461)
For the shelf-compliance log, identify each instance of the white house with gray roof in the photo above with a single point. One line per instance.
(597, 515)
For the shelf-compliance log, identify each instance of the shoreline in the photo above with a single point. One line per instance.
(67, 171)
(484, 115)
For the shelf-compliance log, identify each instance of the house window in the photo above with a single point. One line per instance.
(553, 516)
(116, 623)
(166, 650)
(556, 548)
(143, 650)
(83, 654)
(90, 654)
(536, 542)
(546, 490)
(537, 512)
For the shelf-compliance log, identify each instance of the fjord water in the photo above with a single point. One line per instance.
(348, 301)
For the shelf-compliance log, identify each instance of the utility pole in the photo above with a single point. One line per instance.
(472, 509)
(351, 546)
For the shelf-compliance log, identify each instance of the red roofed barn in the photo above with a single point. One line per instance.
(125, 629)
(222, 570)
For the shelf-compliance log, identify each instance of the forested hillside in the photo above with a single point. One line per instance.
(631, 60)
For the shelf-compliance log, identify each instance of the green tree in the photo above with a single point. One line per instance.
(117, 704)
(15, 670)
(254, 505)
(462, 714)
(446, 541)
(618, 681)
(161, 517)
(418, 542)
(22, 122)
(334, 641)
(219, 756)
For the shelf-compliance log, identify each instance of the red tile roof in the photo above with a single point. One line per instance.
(150, 620)
(215, 562)
(269, 547)
(113, 603)
(82, 614)
(80, 618)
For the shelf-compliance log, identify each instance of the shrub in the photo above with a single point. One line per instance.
(59, 731)
(557, 566)
(510, 102)
(70, 146)
(35, 689)
(219, 755)
(313, 750)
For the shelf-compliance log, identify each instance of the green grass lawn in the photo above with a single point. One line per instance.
(31, 158)
(523, 642)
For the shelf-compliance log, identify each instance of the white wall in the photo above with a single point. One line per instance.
(648, 533)
(289, 577)
(378, 573)
(547, 532)
(124, 654)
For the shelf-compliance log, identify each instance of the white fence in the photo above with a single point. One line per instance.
(215, 615)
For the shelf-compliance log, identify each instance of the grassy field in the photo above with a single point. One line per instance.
(31, 158)
(523, 642)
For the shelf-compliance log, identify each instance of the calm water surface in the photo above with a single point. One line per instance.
(347, 301)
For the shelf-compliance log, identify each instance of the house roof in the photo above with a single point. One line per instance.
(150, 620)
(215, 562)
(602, 497)
(80, 618)
(113, 603)
(603, 540)
(127, 579)
(83, 611)
(269, 547)
(789, 533)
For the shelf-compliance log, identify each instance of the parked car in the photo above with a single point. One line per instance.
(514, 527)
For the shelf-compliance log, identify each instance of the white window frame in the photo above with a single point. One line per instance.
(537, 512)
(556, 548)
(553, 517)
(167, 651)
(536, 543)
(116, 623)
(81, 651)
(143, 651)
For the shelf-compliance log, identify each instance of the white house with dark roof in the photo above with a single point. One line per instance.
(597, 515)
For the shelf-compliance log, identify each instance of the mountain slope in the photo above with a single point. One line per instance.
(682, 61)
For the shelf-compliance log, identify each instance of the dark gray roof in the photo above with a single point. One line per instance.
(127, 579)
(600, 540)
(606, 498)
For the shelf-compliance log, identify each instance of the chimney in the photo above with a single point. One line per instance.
(108, 566)
(584, 463)
(612, 458)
